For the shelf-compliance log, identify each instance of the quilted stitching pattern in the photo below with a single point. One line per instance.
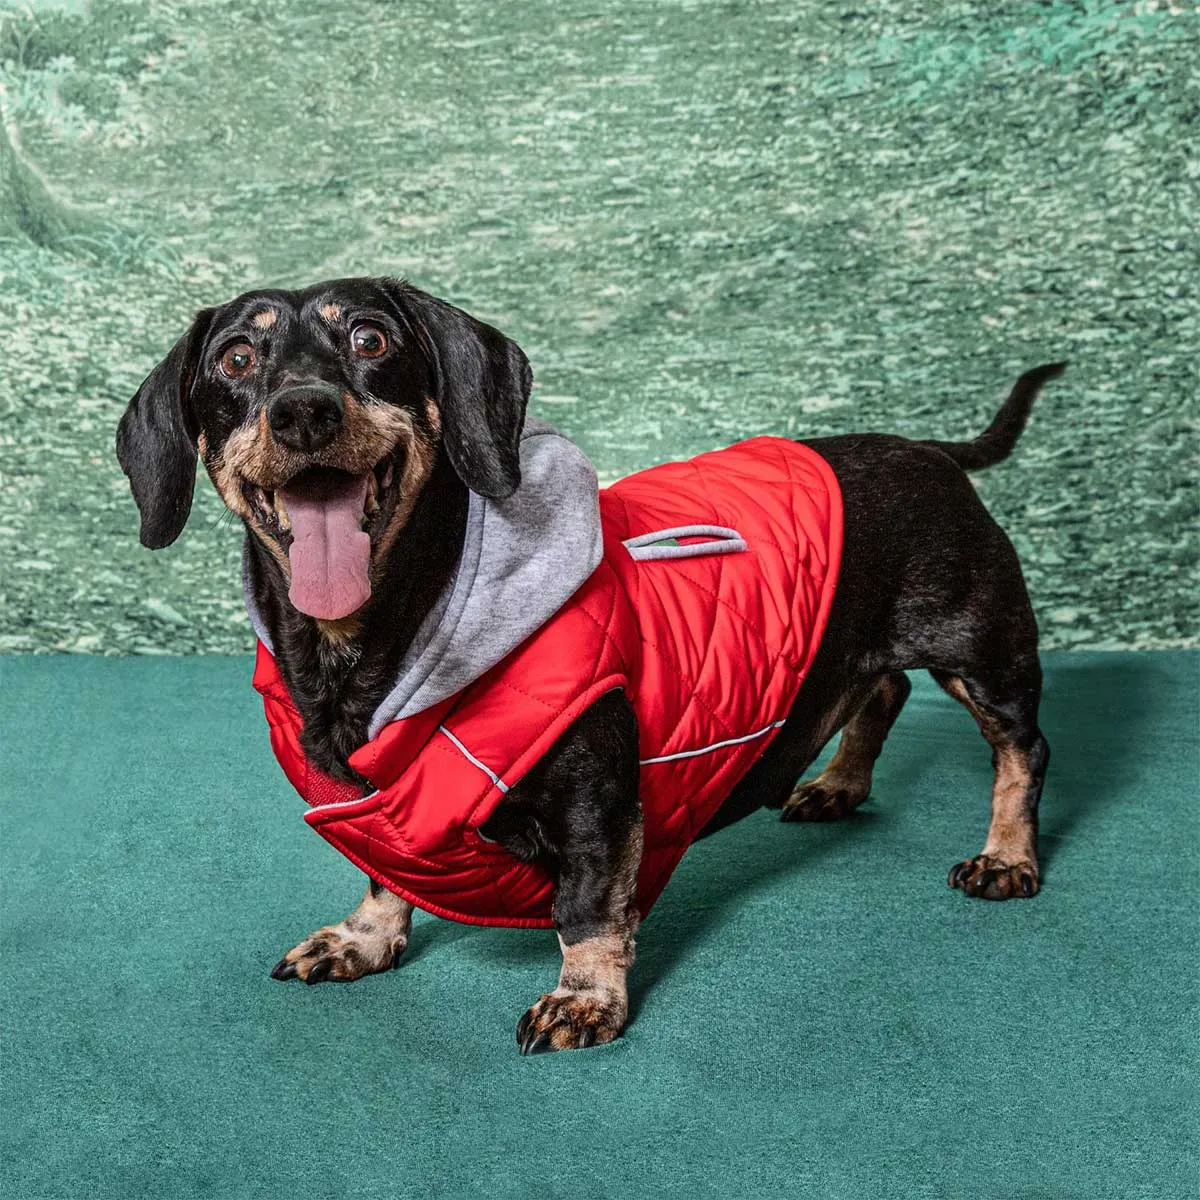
(707, 648)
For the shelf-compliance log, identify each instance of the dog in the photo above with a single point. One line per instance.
(397, 412)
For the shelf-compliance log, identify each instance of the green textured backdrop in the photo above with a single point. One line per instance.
(702, 221)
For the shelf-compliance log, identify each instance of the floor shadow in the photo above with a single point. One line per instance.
(1099, 713)
(755, 853)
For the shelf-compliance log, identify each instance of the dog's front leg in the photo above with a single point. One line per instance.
(596, 919)
(579, 814)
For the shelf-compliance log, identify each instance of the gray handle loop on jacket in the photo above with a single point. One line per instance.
(647, 547)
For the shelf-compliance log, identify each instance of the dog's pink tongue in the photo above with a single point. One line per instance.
(330, 554)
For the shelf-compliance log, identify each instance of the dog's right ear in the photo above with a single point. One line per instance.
(156, 440)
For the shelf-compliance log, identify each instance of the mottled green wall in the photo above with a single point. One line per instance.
(701, 220)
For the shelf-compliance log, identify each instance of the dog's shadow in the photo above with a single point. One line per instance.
(754, 855)
(1096, 715)
(1099, 713)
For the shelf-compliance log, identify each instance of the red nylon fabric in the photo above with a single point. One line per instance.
(709, 650)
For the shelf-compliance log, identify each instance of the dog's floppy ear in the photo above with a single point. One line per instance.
(482, 380)
(156, 440)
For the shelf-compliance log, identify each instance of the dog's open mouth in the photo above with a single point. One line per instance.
(328, 522)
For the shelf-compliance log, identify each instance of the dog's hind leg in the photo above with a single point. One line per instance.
(1004, 704)
(846, 781)
(371, 939)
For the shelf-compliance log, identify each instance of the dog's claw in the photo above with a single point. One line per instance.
(283, 969)
(320, 971)
(980, 883)
(540, 1044)
(527, 1035)
(530, 1039)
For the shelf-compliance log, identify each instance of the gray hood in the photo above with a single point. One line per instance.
(522, 559)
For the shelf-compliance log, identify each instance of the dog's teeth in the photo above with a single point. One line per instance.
(285, 522)
(371, 507)
(387, 475)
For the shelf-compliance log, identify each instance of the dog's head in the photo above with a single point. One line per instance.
(318, 415)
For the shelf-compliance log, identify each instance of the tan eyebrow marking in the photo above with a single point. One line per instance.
(330, 311)
(265, 319)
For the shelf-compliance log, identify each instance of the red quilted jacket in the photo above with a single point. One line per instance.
(707, 608)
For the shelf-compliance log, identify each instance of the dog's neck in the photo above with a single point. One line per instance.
(337, 677)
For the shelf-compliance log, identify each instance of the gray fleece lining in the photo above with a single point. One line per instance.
(522, 559)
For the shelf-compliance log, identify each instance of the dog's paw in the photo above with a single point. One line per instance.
(988, 878)
(563, 1020)
(340, 954)
(825, 798)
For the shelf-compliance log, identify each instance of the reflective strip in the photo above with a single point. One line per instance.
(341, 803)
(474, 761)
(503, 787)
(715, 746)
(644, 547)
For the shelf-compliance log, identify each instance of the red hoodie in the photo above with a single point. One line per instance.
(710, 637)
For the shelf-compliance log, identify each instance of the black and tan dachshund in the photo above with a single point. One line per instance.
(420, 403)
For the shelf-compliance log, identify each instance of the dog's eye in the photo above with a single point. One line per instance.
(238, 360)
(369, 341)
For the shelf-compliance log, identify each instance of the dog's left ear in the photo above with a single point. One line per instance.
(482, 380)
(156, 440)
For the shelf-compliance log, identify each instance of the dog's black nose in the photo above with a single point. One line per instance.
(307, 416)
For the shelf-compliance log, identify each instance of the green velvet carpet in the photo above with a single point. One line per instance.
(816, 1014)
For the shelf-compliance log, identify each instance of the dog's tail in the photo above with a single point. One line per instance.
(996, 442)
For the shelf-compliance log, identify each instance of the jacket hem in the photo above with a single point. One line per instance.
(439, 910)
